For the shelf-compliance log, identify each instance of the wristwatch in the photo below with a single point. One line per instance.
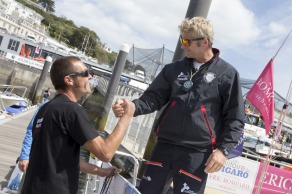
(224, 151)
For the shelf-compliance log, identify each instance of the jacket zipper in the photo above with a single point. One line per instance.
(168, 111)
(211, 131)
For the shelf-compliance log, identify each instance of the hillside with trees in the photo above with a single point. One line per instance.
(64, 30)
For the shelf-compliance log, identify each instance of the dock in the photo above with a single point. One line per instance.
(12, 132)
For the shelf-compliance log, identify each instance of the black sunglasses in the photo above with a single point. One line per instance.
(84, 73)
(187, 42)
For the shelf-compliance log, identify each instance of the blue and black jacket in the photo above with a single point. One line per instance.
(210, 115)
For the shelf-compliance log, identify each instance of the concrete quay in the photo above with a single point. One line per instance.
(12, 132)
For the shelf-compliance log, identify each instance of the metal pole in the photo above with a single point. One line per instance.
(40, 85)
(133, 64)
(112, 87)
(275, 138)
(196, 8)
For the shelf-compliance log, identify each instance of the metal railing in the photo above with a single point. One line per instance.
(254, 156)
(124, 89)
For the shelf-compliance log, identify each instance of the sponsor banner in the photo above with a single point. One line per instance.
(276, 180)
(25, 61)
(236, 176)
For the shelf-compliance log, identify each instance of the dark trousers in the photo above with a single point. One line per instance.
(184, 165)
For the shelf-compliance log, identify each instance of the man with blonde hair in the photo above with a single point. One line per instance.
(203, 119)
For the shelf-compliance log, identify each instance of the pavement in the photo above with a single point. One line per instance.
(12, 132)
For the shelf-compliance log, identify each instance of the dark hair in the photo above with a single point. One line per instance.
(60, 68)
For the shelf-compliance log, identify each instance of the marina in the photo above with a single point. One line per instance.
(135, 140)
(22, 61)
(12, 131)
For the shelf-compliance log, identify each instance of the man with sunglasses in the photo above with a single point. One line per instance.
(60, 127)
(203, 118)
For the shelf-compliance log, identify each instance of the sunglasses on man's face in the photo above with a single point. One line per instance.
(84, 73)
(187, 42)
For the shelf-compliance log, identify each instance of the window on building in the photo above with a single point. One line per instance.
(1, 38)
(13, 45)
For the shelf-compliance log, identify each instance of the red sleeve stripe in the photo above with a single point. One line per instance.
(154, 163)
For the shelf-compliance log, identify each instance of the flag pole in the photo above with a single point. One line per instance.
(275, 136)
(282, 44)
(269, 155)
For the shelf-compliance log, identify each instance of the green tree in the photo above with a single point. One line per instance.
(84, 39)
(48, 4)
(139, 67)
(128, 65)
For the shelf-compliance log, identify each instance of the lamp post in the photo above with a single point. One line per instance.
(152, 67)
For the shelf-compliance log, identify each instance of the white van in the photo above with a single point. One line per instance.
(140, 74)
(138, 84)
(254, 126)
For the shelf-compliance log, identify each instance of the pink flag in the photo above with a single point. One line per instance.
(261, 95)
(37, 49)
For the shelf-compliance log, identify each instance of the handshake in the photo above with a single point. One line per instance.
(123, 108)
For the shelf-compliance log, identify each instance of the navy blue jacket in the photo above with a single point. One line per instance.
(210, 115)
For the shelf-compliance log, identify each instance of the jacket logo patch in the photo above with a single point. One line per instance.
(182, 77)
(147, 178)
(186, 189)
(38, 125)
(209, 76)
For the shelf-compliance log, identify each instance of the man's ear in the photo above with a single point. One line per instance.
(68, 80)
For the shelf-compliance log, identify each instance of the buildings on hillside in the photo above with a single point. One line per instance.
(22, 21)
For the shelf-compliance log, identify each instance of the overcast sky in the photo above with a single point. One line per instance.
(247, 32)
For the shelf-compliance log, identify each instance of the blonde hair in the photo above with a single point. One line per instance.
(199, 27)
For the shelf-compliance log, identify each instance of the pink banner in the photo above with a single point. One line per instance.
(261, 95)
(276, 181)
(242, 175)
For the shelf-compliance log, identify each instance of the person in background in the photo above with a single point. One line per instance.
(46, 95)
(26, 144)
(61, 126)
(203, 118)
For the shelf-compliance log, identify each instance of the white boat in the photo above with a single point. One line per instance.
(9, 98)
(7, 101)
(264, 149)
